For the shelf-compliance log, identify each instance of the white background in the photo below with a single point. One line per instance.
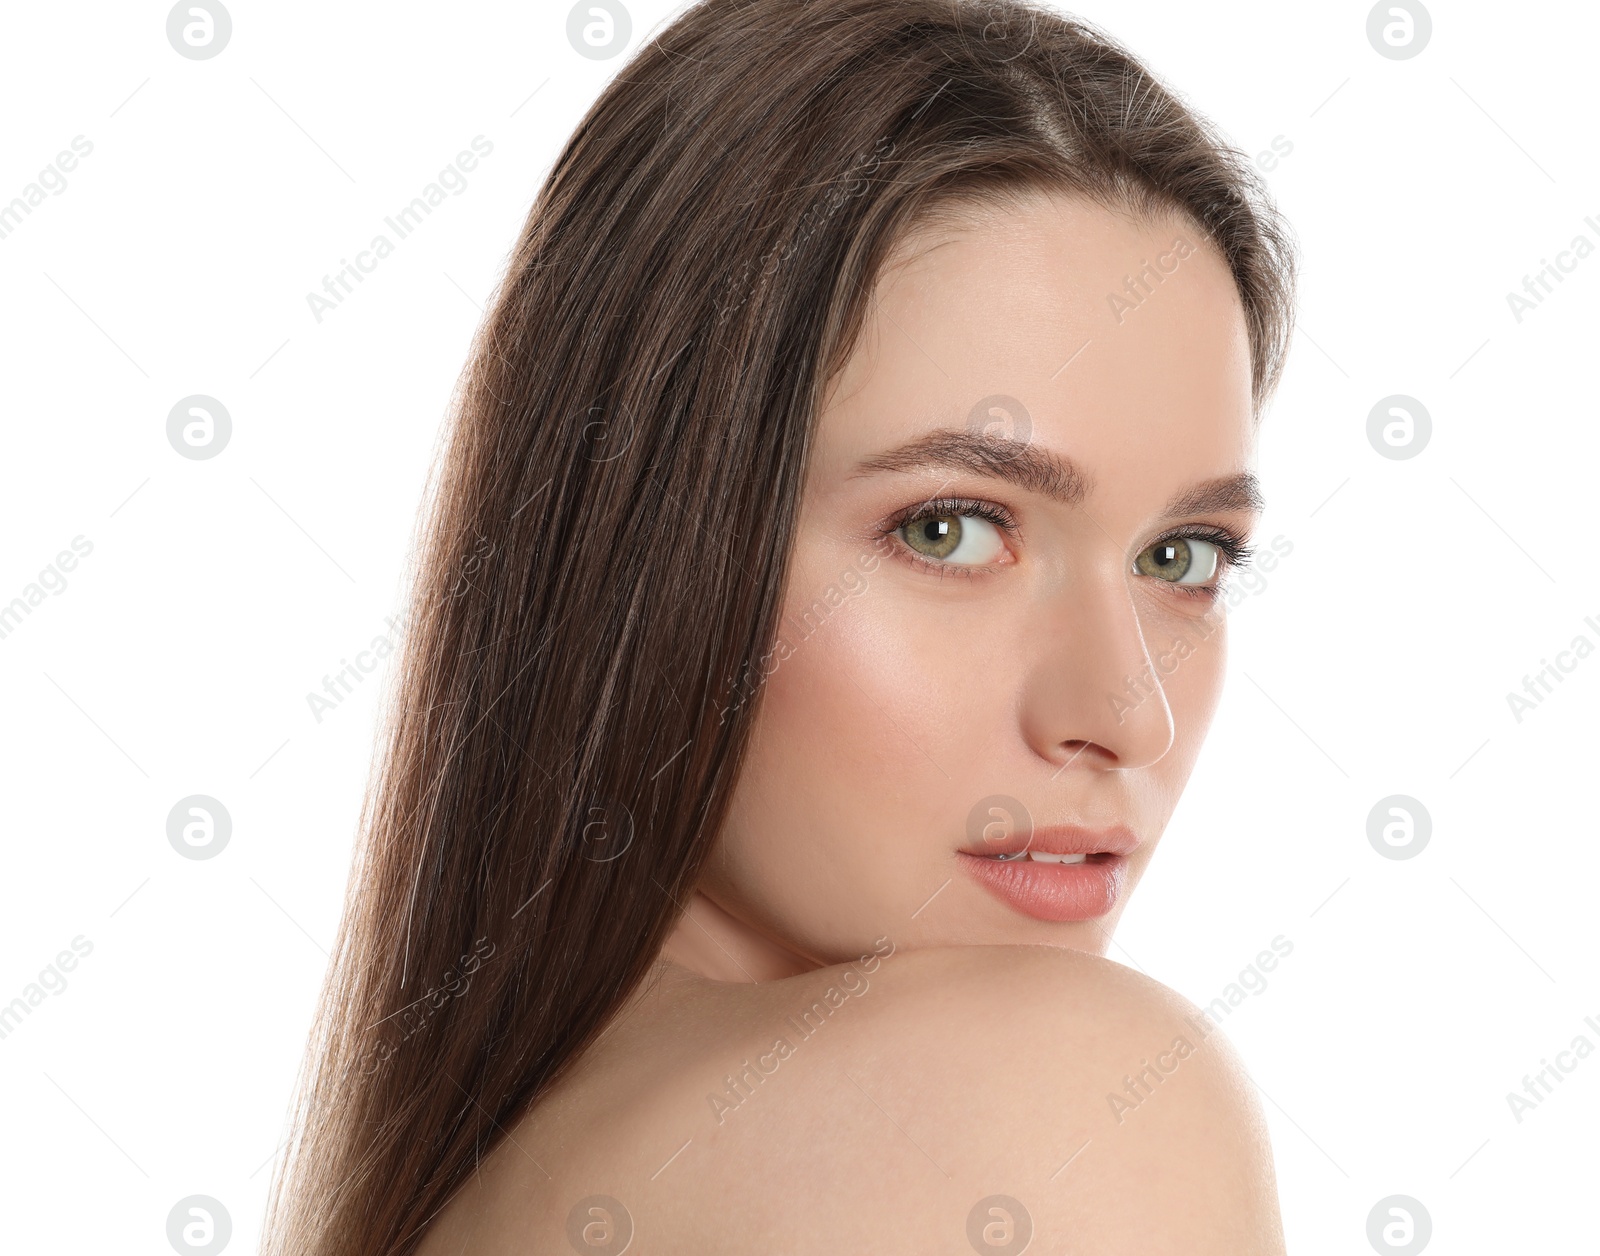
(218, 593)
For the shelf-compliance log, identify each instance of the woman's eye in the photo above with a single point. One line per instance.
(960, 540)
(1181, 560)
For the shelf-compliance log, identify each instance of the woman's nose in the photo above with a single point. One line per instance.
(1093, 694)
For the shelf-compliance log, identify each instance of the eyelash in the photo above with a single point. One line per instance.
(933, 508)
(993, 512)
(1236, 551)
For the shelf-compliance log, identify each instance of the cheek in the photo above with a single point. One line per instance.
(847, 722)
(863, 760)
(835, 804)
(1192, 656)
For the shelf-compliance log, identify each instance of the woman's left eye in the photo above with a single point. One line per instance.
(1181, 560)
(953, 539)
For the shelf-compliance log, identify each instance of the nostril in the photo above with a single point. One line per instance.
(1074, 752)
(1075, 749)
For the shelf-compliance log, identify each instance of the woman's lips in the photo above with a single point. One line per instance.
(1058, 874)
(1051, 891)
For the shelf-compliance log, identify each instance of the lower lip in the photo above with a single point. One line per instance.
(1051, 891)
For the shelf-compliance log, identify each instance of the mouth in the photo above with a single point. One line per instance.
(1055, 875)
(1039, 856)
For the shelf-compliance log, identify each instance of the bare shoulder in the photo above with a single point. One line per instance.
(1123, 1115)
(1107, 1110)
(905, 1102)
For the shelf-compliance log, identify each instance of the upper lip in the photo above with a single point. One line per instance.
(1063, 839)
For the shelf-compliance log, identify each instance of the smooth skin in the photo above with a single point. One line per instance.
(978, 1051)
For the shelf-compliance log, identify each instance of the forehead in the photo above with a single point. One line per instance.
(1120, 337)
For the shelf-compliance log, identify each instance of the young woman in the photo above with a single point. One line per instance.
(819, 620)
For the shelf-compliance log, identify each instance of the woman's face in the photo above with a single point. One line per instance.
(1002, 633)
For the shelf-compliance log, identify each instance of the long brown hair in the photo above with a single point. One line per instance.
(603, 561)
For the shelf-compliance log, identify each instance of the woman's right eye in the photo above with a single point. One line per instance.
(956, 540)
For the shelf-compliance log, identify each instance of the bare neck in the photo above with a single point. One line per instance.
(710, 942)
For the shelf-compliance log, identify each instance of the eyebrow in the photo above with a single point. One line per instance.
(1051, 475)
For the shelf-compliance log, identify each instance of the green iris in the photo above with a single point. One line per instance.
(934, 537)
(1169, 560)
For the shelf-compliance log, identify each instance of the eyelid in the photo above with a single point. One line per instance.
(1236, 550)
(981, 508)
(996, 513)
